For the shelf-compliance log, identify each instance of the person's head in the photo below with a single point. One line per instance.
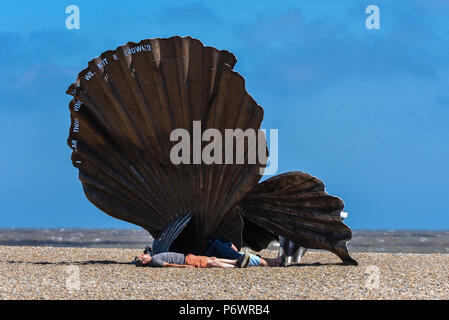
(143, 260)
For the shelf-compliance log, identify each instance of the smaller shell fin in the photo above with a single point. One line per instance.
(170, 233)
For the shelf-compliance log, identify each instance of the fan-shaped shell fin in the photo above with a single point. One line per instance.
(170, 233)
(127, 103)
(295, 205)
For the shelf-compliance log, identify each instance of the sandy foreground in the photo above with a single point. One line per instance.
(96, 273)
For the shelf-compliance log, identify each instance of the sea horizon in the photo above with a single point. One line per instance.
(363, 240)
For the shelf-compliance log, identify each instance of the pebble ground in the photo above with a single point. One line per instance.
(93, 273)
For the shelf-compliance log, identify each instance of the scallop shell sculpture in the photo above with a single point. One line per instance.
(127, 103)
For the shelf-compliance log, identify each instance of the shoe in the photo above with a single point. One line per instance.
(243, 261)
(246, 259)
(239, 261)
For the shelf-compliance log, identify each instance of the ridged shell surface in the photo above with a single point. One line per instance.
(127, 103)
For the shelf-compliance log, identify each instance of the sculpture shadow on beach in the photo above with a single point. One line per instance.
(62, 263)
(317, 264)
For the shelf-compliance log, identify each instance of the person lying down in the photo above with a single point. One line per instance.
(174, 259)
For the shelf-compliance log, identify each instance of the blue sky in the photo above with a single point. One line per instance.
(367, 111)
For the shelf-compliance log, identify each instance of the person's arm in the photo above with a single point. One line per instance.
(166, 264)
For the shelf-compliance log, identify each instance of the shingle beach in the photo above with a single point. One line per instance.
(96, 273)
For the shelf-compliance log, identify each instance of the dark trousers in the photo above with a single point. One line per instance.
(220, 248)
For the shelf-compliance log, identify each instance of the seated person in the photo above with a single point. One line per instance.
(223, 248)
